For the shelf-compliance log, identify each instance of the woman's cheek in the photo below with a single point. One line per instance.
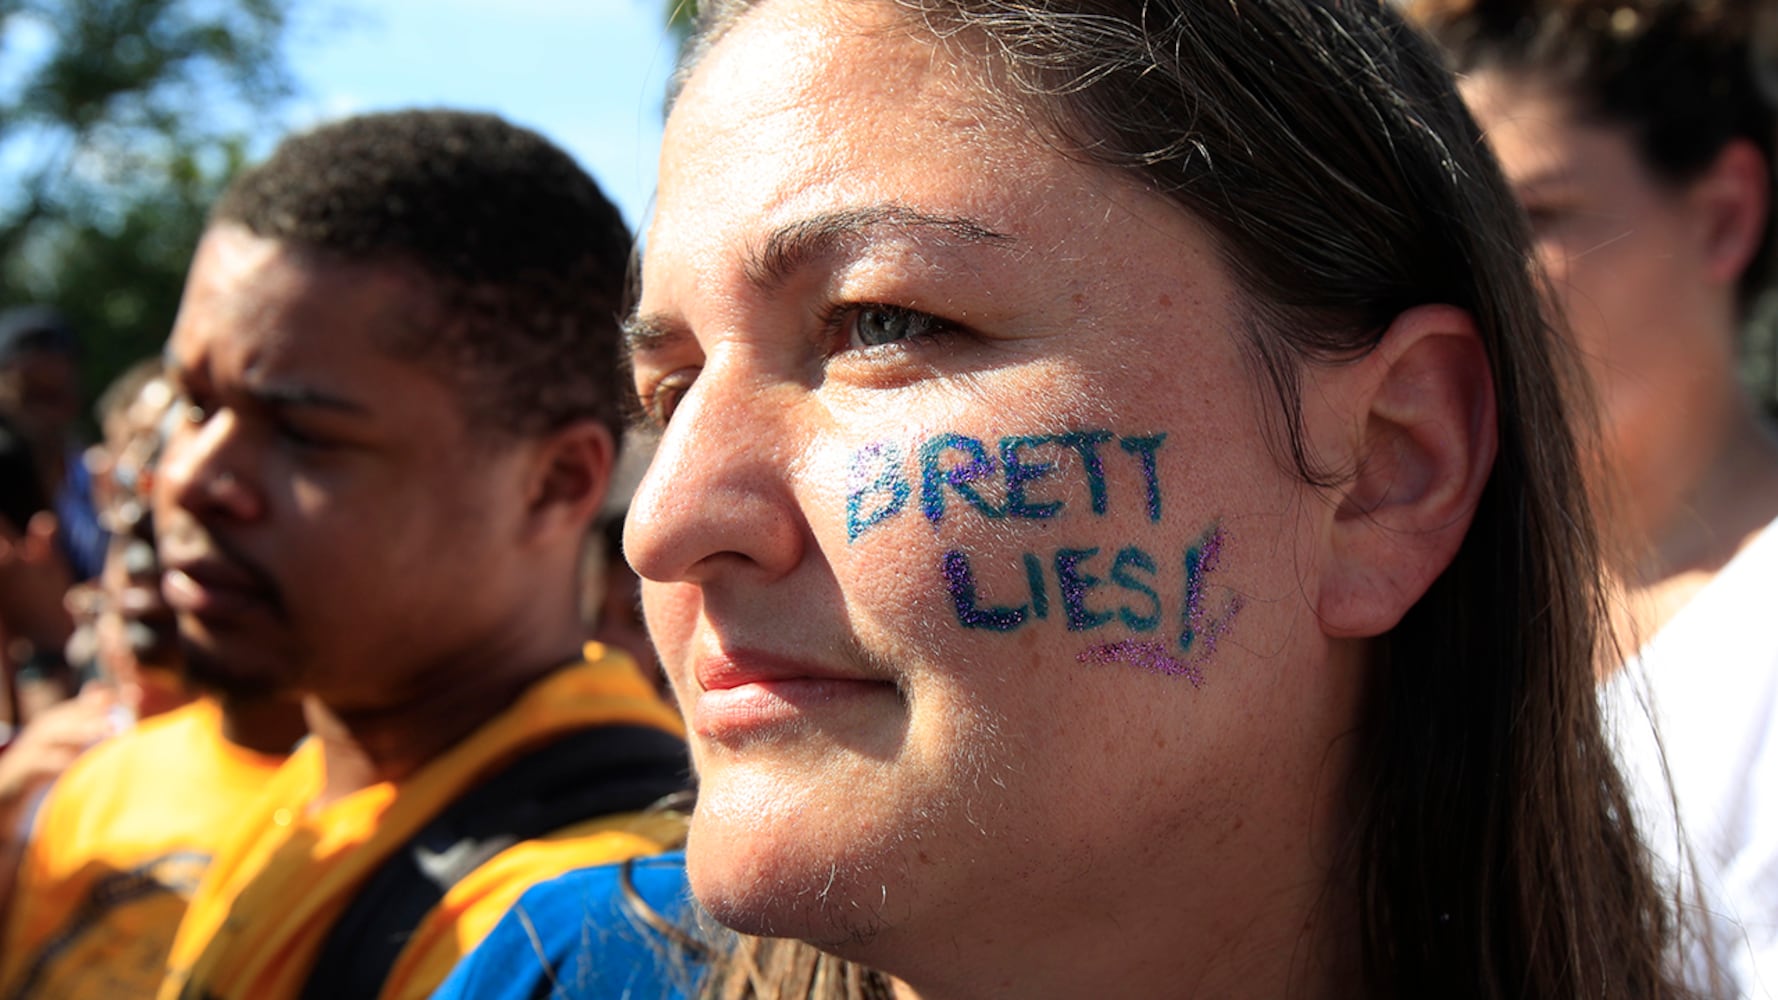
(1070, 534)
(670, 611)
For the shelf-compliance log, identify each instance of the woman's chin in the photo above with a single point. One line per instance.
(765, 883)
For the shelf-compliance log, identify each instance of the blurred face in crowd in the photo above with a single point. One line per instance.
(1627, 255)
(967, 585)
(41, 390)
(328, 520)
(136, 628)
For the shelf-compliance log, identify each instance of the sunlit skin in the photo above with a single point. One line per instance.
(852, 246)
(331, 525)
(1644, 271)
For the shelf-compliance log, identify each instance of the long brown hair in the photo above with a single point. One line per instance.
(1324, 144)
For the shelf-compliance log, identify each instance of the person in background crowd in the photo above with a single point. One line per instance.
(40, 392)
(1639, 136)
(1117, 529)
(40, 558)
(612, 598)
(21, 500)
(97, 875)
(127, 634)
(398, 385)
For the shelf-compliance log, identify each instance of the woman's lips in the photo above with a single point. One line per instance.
(748, 695)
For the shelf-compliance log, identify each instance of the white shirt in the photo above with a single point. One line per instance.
(1709, 682)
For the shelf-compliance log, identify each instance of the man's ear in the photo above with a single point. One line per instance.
(570, 475)
(1732, 199)
(1425, 439)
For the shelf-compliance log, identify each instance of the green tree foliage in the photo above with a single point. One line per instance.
(119, 122)
(680, 14)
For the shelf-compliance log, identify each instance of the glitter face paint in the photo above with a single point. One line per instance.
(1201, 630)
(934, 476)
(1130, 561)
(1019, 477)
(961, 583)
(1025, 477)
(1086, 445)
(886, 459)
(1144, 449)
(1150, 656)
(1074, 582)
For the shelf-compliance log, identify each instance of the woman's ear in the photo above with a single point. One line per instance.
(1733, 199)
(1421, 451)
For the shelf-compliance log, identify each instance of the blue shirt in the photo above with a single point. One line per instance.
(83, 539)
(575, 938)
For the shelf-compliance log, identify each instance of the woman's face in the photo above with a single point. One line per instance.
(1625, 256)
(965, 549)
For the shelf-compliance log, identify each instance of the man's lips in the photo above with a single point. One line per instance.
(211, 585)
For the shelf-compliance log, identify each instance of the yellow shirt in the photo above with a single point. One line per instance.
(116, 851)
(265, 908)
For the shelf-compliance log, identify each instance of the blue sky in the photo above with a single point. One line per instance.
(590, 74)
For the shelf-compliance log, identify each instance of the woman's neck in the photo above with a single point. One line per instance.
(1692, 528)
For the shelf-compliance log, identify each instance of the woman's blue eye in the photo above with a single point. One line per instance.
(875, 325)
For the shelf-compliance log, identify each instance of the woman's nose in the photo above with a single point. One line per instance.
(718, 496)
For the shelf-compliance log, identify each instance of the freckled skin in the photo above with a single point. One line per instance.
(996, 798)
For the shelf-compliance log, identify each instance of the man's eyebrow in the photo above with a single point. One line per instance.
(791, 247)
(305, 396)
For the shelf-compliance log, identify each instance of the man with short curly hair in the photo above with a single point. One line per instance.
(400, 402)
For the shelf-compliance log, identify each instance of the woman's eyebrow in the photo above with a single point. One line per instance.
(643, 333)
(792, 246)
(795, 245)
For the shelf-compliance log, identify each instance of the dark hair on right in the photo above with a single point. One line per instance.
(1684, 78)
(528, 258)
(1324, 144)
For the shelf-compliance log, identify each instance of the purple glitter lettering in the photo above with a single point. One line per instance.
(1150, 656)
(1200, 629)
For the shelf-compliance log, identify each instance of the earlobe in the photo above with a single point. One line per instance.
(1734, 199)
(572, 474)
(1424, 448)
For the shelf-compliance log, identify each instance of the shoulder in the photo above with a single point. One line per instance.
(587, 933)
(175, 766)
(109, 769)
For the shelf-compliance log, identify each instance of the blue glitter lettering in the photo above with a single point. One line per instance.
(1144, 448)
(862, 484)
(934, 477)
(1074, 584)
(1086, 445)
(1019, 473)
(1040, 600)
(962, 586)
(1123, 567)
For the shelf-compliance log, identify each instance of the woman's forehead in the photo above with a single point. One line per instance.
(806, 110)
(808, 67)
